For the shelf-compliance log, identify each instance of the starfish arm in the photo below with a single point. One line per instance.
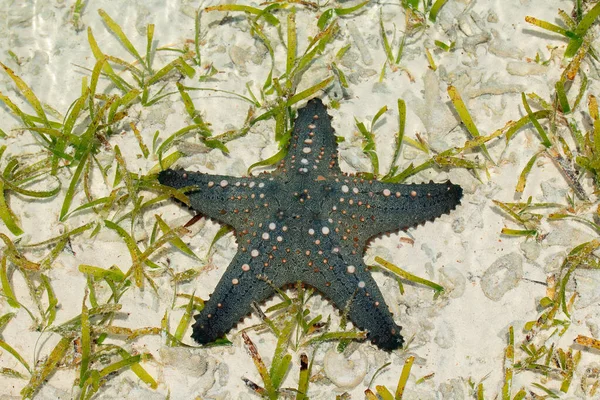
(369, 208)
(352, 289)
(230, 200)
(240, 286)
(312, 147)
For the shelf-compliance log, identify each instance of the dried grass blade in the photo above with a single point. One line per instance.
(6, 287)
(185, 319)
(134, 251)
(435, 9)
(11, 373)
(587, 341)
(369, 395)
(27, 119)
(50, 314)
(41, 194)
(200, 128)
(138, 136)
(562, 97)
(72, 186)
(16, 257)
(515, 126)
(149, 41)
(386, 42)
(545, 141)
(42, 373)
(519, 232)
(62, 237)
(274, 159)
(106, 68)
(509, 360)
(523, 177)
(404, 377)
(587, 20)
(271, 19)
(549, 26)
(303, 378)
(400, 134)
(118, 32)
(260, 365)
(178, 63)
(384, 392)
(281, 360)
(291, 42)
(120, 365)
(7, 215)
(336, 336)
(177, 242)
(309, 92)
(114, 274)
(86, 346)
(28, 94)
(465, 117)
(13, 352)
(407, 275)
(140, 371)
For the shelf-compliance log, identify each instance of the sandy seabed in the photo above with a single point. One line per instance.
(492, 281)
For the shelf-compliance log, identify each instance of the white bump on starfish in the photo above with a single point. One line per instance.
(261, 185)
(345, 189)
(245, 267)
(211, 184)
(386, 192)
(361, 284)
(325, 230)
(304, 161)
(254, 253)
(251, 185)
(311, 231)
(234, 281)
(272, 226)
(306, 150)
(351, 269)
(265, 236)
(224, 183)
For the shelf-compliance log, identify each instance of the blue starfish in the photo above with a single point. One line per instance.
(307, 221)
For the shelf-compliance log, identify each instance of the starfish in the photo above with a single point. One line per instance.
(307, 221)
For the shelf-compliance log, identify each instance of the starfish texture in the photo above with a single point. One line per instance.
(307, 221)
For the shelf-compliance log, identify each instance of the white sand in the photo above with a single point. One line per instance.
(459, 337)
